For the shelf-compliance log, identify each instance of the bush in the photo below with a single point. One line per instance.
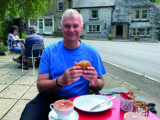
(136, 37)
(3, 48)
(5, 25)
(82, 36)
(23, 35)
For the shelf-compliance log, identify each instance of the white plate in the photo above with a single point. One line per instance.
(86, 102)
(53, 116)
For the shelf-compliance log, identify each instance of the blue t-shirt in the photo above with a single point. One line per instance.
(56, 58)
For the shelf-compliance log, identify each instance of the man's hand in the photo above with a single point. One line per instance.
(96, 82)
(70, 75)
(91, 75)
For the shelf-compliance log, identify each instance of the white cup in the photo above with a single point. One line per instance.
(63, 108)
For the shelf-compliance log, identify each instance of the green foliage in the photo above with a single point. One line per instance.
(23, 35)
(3, 48)
(136, 37)
(110, 36)
(24, 8)
(4, 28)
(82, 36)
(155, 1)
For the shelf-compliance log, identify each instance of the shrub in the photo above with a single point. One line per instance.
(82, 36)
(3, 48)
(136, 37)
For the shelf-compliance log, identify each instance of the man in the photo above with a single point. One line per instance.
(58, 78)
(32, 39)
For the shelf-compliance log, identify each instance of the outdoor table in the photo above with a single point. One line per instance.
(114, 113)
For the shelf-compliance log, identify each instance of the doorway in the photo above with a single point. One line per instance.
(119, 31)
(40, 26)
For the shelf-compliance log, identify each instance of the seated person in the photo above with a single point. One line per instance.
(58, 78)
(32, 39)
(14, 43)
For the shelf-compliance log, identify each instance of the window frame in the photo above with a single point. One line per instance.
(60, 2)
(91, 14)
(49, 24)
(93, 26)
(136, 31)
(140, 14)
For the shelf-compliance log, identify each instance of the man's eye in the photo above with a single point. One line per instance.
(67, 26)
(76, 26)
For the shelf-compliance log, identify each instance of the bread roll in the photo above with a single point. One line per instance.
(84, 64)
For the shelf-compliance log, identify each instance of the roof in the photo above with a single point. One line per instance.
(94, 3)
(95, 21)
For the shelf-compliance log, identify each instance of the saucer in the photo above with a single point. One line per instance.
(53, 116)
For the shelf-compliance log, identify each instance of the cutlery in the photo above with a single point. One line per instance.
(101, 104)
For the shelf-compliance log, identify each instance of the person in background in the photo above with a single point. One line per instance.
(14, 43)
(30, 40)
(58, 78)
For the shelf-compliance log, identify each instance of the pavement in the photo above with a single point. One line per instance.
(17, 88)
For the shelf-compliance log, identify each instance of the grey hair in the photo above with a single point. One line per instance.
(71, 13)
(32, 29)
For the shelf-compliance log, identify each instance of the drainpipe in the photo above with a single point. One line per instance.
(69, 3)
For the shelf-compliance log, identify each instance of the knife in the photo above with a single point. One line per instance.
(99, 105)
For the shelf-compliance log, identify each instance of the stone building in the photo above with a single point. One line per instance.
(122, 18)
(134, 17)
(96, 17)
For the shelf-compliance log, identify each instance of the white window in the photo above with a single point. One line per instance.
(94, 14)
(141, 31)
(60, 5)
(33, 22)
(94, 28)
(48, 25)
(140, 14)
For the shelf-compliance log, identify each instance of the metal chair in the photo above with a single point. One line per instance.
(11, 54)
(38, 47)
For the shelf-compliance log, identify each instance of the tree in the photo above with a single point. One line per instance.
(24, 8)
(155, 1)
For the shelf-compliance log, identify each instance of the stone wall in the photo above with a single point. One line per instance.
(104, 15)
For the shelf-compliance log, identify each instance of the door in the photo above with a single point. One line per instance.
(40, 26)
(119, 31)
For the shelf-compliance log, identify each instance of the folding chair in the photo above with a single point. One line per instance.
(38, 47)
(10, 54)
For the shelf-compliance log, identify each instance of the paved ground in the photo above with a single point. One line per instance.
(17, 88)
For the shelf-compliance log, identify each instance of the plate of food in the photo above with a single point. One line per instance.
(87, 102)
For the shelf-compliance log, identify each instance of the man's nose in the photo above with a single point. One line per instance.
(71, 29)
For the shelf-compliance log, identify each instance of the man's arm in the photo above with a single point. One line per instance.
(45, 85)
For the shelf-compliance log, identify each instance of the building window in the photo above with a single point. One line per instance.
(60, 5)
(141, 31)
(140, 14)
(94, 28)
(48, 25)
(33, 22)
(94, 14)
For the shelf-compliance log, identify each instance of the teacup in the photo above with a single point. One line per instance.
(63, 108)
(126, 103)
